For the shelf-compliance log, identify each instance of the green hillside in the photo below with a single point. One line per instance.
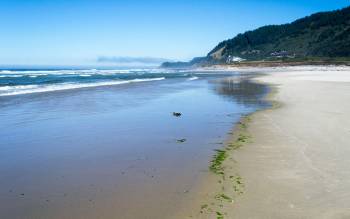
(325, 34)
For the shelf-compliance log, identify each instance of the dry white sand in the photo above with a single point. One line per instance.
(299, 163)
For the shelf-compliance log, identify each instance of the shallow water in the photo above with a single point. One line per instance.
(112, 151)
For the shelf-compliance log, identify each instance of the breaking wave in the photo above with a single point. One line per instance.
(27, 89)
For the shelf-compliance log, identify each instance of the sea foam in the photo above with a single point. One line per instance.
(28, 89)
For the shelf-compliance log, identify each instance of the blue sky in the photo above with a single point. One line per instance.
(77, 32)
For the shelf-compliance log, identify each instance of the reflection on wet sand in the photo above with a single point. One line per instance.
(241, 90)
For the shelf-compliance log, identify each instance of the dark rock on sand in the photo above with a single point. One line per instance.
(177, 114)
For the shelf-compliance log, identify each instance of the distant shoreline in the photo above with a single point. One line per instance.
(264, 63)
(287, 63)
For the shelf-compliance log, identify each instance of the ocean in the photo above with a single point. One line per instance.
(15, 82)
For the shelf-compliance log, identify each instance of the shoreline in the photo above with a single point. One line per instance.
(223, 184)
(291, 161)
(279, 63)
(297, 156)
(301, 156)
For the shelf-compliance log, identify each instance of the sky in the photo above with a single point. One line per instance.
(81, 32)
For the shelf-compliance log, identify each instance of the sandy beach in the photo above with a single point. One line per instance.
(287, 161)
(298, 166)
(297, 163)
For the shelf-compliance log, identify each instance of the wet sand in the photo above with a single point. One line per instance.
(297, 165)
(113, 152)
